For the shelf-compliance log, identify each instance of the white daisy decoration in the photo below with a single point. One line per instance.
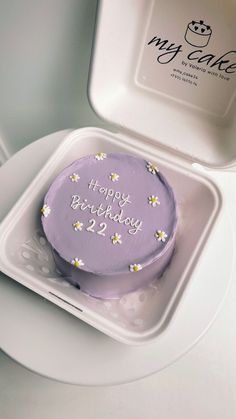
(77, 263)
(100, 156)
(160, 235)
(152, 168)
(116, 238)
(114, 177)
(74, 177)
(78, 226)
(45, 211)
(135, 268)
(153, 200)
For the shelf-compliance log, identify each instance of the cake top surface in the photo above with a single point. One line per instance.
(109, 213)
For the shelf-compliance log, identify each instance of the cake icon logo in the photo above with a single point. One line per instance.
(198, 34)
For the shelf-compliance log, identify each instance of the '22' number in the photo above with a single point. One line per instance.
(102, 226)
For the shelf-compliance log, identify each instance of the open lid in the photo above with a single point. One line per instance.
(167, 72)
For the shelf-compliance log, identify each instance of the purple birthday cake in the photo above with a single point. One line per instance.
(111, 222)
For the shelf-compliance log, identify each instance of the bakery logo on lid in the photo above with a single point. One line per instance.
(198, 34)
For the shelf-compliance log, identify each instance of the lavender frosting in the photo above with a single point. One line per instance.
(105, 211)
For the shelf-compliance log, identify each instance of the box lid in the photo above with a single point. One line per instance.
(168, 74)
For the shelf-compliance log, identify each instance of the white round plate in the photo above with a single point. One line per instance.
(51, 342)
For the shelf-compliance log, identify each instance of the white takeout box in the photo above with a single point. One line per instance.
(172, 102)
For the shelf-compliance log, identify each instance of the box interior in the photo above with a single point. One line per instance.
(136, 317)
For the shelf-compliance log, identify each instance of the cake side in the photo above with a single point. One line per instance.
(116, 285)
